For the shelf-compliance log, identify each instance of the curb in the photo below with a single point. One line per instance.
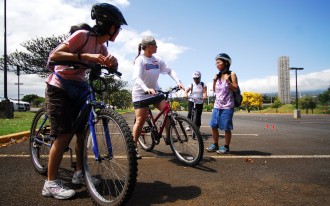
(9, 137)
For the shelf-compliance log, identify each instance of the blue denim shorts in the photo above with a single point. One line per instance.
(222, 119)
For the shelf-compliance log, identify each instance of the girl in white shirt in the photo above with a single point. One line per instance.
(147, 68)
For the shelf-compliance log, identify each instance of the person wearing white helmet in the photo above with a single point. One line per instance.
(224, 84)
(198, 93)
(147, 68)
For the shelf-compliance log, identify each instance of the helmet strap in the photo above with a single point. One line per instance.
(111, 35)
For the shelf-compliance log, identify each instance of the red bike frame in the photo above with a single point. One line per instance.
(164, 112)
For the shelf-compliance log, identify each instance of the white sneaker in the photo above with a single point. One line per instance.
(57, 190)
(187, 128)
(78, 179)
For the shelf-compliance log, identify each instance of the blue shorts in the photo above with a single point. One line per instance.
(222, 119)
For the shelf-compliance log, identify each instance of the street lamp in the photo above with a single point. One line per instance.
(296, 113)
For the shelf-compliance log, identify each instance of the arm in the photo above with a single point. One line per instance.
(205, 92)
(70, 50)
(186, 92)
(233, 84)
(173, 75)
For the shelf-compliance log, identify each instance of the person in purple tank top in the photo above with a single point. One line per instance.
(224, 84)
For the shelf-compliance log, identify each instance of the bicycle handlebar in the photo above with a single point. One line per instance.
(175, 89)
(74, 64)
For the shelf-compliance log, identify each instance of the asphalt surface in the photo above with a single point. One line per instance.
(275, 160)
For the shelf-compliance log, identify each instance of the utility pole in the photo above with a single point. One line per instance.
(296, 113)
(5, 51)
(6, 110)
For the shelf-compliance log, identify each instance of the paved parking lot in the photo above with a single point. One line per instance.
(275, 160)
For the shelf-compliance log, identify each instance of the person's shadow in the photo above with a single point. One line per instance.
(160, 193)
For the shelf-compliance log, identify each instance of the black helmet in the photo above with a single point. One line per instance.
(107, 14)
(224, 57)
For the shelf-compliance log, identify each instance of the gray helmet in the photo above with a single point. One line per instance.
(225, 57)
(148, 40)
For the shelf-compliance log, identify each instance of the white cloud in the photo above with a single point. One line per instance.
(39, 18)
(269, 84)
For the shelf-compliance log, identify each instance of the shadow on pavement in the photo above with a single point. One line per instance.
(161, 193)
(248, 153)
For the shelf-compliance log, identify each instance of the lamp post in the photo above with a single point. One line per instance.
(296, 113)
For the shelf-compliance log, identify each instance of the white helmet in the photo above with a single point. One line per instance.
(197, 74)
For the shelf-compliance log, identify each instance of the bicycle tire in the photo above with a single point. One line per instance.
(188, 151)
(117, 174)
(39, 151)
(146, 139)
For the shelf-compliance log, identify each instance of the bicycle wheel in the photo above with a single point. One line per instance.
(40, 141)
(116, 167)
(146, 139)
(187, 149)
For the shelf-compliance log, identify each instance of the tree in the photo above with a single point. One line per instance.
(307, 102)
(29, 98)
(175, 105)
(115, 94)
(33, 99)
(121, 99)
(35, 59)
(252, 100)
(324, 99)
(277, 104)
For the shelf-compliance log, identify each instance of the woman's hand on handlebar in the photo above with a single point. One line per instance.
(151, 91)
(109, 61)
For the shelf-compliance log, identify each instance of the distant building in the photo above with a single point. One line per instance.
(284, 80)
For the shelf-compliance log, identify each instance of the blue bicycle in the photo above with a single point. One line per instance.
(109, 150)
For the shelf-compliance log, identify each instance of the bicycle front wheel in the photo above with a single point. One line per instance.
(186, 145)
(40, 141)
(110, 177)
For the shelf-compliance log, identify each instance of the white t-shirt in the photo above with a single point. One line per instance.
(196, 93)
(145, 75)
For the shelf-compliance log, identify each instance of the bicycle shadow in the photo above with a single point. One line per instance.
(250, 153)
(161, 193)
(201, 165)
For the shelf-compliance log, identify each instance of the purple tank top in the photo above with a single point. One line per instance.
(224, 96)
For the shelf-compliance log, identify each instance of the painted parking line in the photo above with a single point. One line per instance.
(271, 156)
(218, 156)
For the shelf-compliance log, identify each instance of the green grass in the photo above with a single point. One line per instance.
(21, 122)
(289, 108)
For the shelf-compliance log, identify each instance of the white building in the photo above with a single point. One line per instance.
(284, 79)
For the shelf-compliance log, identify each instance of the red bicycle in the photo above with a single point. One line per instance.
(187, 149)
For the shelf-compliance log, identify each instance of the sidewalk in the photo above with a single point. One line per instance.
(13, 137)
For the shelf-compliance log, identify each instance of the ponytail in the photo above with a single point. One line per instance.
(139, 51)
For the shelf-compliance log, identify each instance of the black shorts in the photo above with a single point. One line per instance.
(62, 111)
(146, 102)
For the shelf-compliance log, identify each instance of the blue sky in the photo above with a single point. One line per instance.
(190, 33)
